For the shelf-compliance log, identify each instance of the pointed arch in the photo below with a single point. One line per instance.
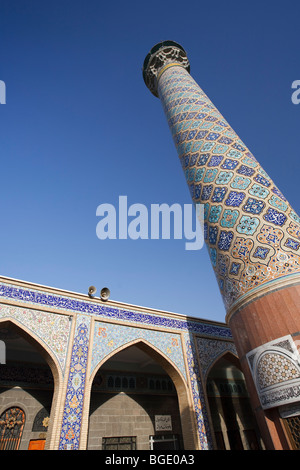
(187, 415)
(48, 355)
(230, 413)
(151, 350)
(230, 356)
(35, 341)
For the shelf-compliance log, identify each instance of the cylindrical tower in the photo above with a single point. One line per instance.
(253, 239)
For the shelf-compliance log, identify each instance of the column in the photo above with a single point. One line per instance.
(251, 231)
(73, 408)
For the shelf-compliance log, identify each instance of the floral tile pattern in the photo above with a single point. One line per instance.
(108, 337)
(51, 329)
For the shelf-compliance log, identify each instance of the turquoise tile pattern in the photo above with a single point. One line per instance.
(251, 231)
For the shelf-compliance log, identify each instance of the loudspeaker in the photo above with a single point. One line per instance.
(105, 293)
(92, 291)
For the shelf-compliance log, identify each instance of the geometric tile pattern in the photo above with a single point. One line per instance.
(275, 368)
(246, 216)
(276, 372)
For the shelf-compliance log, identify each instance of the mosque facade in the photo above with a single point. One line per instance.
(83, 373)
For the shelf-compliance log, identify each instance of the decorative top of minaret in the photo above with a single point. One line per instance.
(162, 54)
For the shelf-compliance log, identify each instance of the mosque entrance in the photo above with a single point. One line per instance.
(134, 404)
(234, 424)
(26, 391)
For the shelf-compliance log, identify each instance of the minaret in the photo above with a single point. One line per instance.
(252, 235)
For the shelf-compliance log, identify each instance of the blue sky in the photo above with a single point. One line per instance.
(80, 128)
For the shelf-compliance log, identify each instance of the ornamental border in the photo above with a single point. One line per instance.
(35, 297)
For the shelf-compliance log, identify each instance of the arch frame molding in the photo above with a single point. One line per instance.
(185, 400)
(46, 352)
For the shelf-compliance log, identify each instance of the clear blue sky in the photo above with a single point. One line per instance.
(80, 129)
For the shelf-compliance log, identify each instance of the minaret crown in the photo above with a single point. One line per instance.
(162, 54)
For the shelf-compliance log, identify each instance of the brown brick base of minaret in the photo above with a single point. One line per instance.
(271, 316)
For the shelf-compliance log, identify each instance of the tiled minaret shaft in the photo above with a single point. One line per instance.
(251, 231)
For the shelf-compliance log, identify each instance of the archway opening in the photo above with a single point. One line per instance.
(26, 387)
(134, 404)
(232, 417)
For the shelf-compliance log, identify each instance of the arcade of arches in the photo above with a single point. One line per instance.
(80, 373)
(129, 392)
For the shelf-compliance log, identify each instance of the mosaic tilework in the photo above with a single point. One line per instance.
(276, 372)
(210, 350)
(87, 307)
(52, 329)
(275, 368)
(108, 337)
(72, 417)
(198, 396)
(87, 310)
(247, 219)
